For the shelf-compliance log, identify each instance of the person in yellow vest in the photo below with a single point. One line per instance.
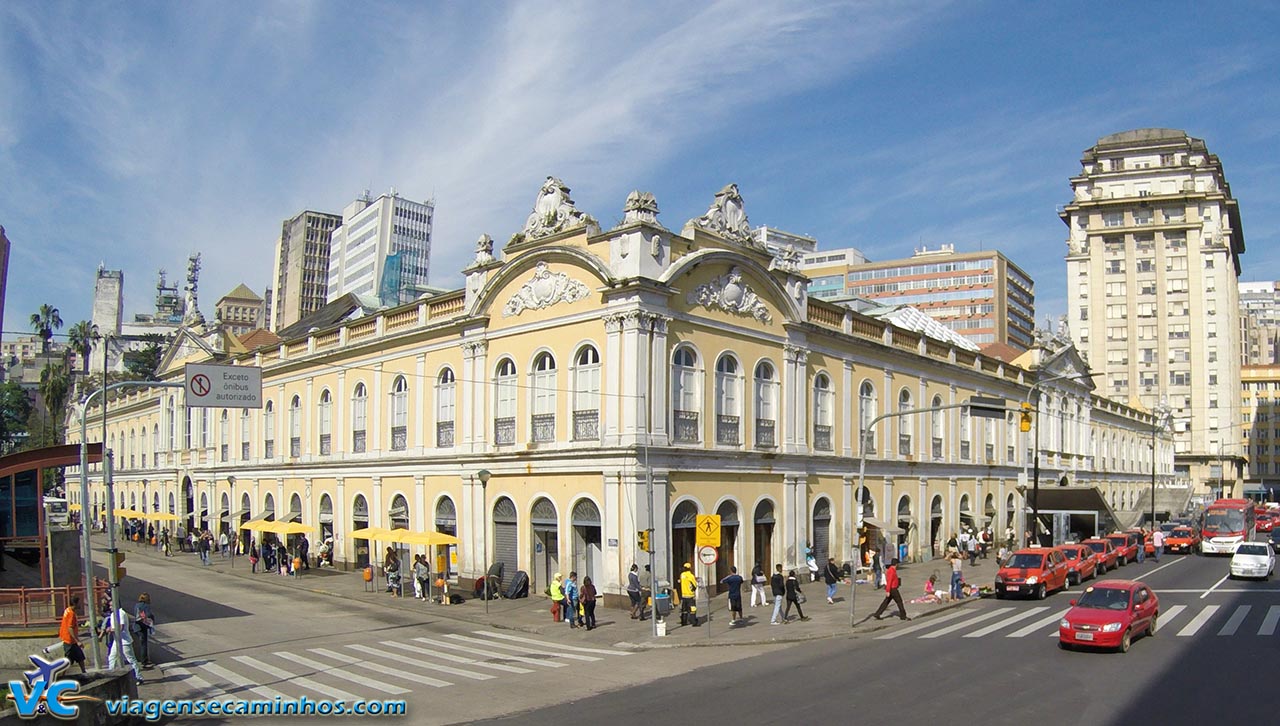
(688, 593)
(556, 591)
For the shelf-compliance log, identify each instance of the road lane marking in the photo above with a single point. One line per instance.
(365, 665)
(522, 648)
(1233, 624)
(1198, 621)
(1269, 622)
(554, 647)
(1170, 614)
(1025, 631)
(1215, 586)
(348, 675)
(1161, 567)
(195, 680)
(491, 654)
(1007, 622)
(244, 683)
(424, 664)
(284, 675)
(919, 626)
(966, 623)
(454, 658)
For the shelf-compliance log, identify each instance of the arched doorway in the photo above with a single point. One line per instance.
(820, 546)
(172, 503)
(587, 557)
(546, 544)
(155, 502)
(762, 535)
(966, 512)
(1011, 521)
(189, 495)
(936, 534)
(446, 523)
(989, 514)
(360, 520)
(326, 517)
(295, 509)
(204, 511)
(729, 529)
(684, 521)
(506, 539)
(224, 516)
(246, 504)
(398, 517)
(905, 522)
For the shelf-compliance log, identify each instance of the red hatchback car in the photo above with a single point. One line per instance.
(1035, 571)
(1126, 547)
(1108, 558)
(1183, 539)
(1109, 615)
(1082, 562)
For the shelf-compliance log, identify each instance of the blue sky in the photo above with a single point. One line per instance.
(133, 134)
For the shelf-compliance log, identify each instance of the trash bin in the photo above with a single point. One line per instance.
(662, 605)
(902, 552)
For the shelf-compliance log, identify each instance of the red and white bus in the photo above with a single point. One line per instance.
(1227, 522)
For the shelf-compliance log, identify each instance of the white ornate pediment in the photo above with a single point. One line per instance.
(545, 289)
(727, 217)
(553, 212)
(729, 292)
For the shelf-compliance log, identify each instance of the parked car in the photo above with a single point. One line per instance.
(1109, 615)
(1108, 557)
(1253, 559)
(1082, 562)
(1183, 539)
(1126, 546)
(1034, 571)
(1275, 540)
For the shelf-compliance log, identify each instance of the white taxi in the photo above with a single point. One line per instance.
(1253, 559)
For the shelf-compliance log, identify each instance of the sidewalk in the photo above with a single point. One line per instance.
(615, 628)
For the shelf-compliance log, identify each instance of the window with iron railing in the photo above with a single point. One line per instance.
(444, 434)
(765, 428)
(686, 427)
(904, 444)
(504, 430)
(326, 444)
(822, 437)
(225, 451)
(295, 447)
(727, 430)
(586, 425)
(268, 449)
(543, 426)
(937, 447)
(359, 440)
(964, 450)
(991, 452)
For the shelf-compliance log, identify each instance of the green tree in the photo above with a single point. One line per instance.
(142, 364)
(15, 409)
(54, 387)
(81, 337)
(44, 322)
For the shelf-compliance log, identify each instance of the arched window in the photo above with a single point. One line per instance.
(586, 394)
(543, 421)
(766, 385)
(965, 434)
(989, 439)
(867, 414)
(186, 427)
(504, 402)
(325, 422)
(822, 413)
(359, 418)
(155, 444)
(295, 427)
(728, 402)
(685, 396)
(269, 430)
(244, 434)
(904, 423)
(133, 448)
(399, 414)
(937, 424)
(204, 428)
(1010, 436)
(446, 407)
(224, 436)
(170, 419)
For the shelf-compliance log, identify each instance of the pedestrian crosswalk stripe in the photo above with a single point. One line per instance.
(421, 664)
(522, 648)
(1198, 621)
(1233, 624)
(201, 684)
(558, 646)
(455, 658)
(1007, 622)
(490, 653)
(238, 680)
(365, 665)
(284, 675)
(919, 626)
(966, 623)
(1269, 622)
(1170, 614)
(1025, 631)
(344, 674)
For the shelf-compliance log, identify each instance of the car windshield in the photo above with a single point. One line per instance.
(1071, 553)
(1104, 598)
(1224, 521)
(1119, 540)
(1097, 546)
(1182, 532)
(1025, 560)
(1168, 527)
(1252, 549)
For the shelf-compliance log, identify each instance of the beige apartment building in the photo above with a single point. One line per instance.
(241, 311)
(1153, 261)
(301, 270)
(617, 381)
(1261, 431)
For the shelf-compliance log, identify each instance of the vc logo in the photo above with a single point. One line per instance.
(43, 693)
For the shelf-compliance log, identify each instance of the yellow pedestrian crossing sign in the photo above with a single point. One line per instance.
(708, 528)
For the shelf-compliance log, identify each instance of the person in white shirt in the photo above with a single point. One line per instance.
(1157, 543)
(121, 639)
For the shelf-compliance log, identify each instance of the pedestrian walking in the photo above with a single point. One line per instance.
(1142, 546)
(572, 600)
(391, 570)
(986, 541)
(758, 581)
(165, 545)
(421, 577)
(556, 592)
(778, 586)
(810, 562)
(224, 545)
(1157, 543)
(891, 594)
(831, 576)
(1002, 556)
(181, 534)
(957, 575)
(877, 569)
(734, 581)
(144, 620)
(588, 594)
(688, 595)
(633, 591)
(115, 628)
(972, 544)
(69, 634)
(795, 596)
(253, 558)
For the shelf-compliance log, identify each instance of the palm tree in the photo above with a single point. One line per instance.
(53, 390)
(44, 322)
(82, 336)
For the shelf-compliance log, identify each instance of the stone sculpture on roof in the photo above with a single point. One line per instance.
(552, 212)
(727, 217)
(640, 207)
(484, 250)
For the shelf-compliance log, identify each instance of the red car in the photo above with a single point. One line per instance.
(1082, 562)
(1035, 571)
(1126, 546)
(1183, 539)
(1108, 557)
(1109, 615)
(1265, 522)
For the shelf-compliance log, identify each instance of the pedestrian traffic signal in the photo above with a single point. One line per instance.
(642, 541)
(1025, 424)
(116, 563)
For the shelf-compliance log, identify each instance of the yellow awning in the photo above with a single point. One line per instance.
(257, 525)
(379, 533)
(128, 513)
(428, 539)
(73, 507)
(163, 517)
(287, 528)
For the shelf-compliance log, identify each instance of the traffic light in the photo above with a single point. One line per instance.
(116, 562)
(642, 540)
(1025, 424)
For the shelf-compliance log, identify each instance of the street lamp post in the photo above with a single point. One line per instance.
(483, 475)
(1156, 426)
(1035, 481)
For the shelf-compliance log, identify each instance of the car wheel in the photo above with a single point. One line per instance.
(1151, 629)
(1041, 592)
(1125, 642)
(1000, 594)
(1064, 645)
(1066, 583)
(1072, 579)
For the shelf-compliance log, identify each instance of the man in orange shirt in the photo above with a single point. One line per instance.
(69, 632)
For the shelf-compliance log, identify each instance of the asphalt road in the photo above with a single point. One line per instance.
(992, 662)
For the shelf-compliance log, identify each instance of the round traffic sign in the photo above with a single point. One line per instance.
(200, 384)
(708, 555)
